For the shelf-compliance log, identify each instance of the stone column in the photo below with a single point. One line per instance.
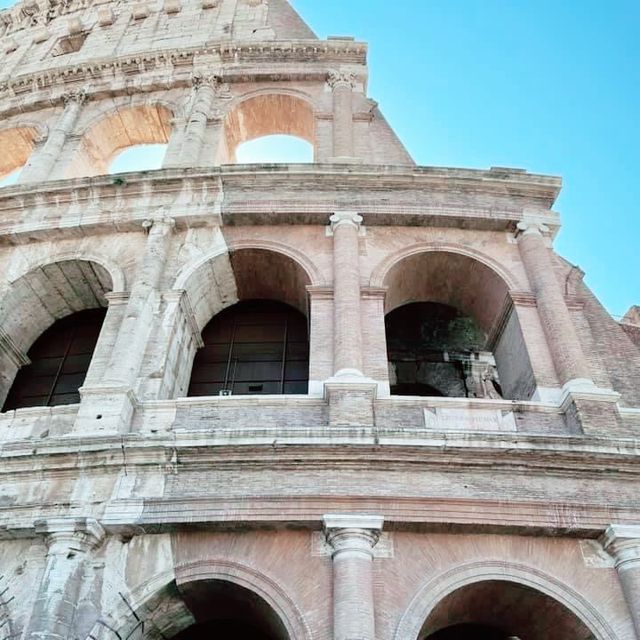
(622, 542)
(70, 542)
(568, 357)
(42, 162)
(108, 405)
(342, 87)
(352, 539)
(129, 348)
(347, 345)
(204, 93)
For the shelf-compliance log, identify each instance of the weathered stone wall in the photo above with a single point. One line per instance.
(348, 512)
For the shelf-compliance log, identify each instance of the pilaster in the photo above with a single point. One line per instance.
(43, 161)
(622, 542)
(70, 541)
(342, 85)
(352, 538)
(108, 405)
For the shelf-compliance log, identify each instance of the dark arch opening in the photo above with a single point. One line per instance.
(255, 347)
(228, 611)
(471, 632)
(60, 360)
(436, 350)
(502, 610)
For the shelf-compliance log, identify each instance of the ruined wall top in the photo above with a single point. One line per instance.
(50, 34)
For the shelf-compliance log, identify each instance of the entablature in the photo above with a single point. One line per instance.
(277, 194)
(276, 61)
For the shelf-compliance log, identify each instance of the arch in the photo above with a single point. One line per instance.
(381, 271)
(126, 615)
(252, 579)
(263, 113)
(16, 145)
(111, 132)
(116, 274)
(211, 282)
(45, 293)
(435, 590)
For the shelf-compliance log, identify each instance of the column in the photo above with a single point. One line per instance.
(204, 93)
(107, 405)
(43, 161)
(342, 87)
(347, 345)
(70, 542)
(622, 542)
(130, 344)
(562, 338)
(352, 539)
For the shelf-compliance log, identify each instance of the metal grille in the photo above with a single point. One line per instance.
(254, 347)
(60, 359)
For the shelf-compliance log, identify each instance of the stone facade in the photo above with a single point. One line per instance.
(347, 513)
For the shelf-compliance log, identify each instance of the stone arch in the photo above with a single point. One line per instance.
(158, 602)
(111, 131)
(267, 112)
(116, 274)
(381, 271)
(16, 145)
(211, 282)
(434, 590)
(466, 289)
(32, 302)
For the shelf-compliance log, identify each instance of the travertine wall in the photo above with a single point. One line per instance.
(351, 513)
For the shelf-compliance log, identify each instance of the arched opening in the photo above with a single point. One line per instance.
(254, 347)
(122, 129)
(16, 146)
(275, 149)
(267, 115)
(452, 331)
(435, 350)
(251, 305)
(33, 305)
(59, 362)
(501, 610)
(226, 610)
(142, 157)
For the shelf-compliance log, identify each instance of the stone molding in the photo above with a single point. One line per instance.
(119, 72)
(349, 218)
(8, 346)
(352, 535)
(622, 543)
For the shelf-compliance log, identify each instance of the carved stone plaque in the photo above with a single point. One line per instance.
(475, 420)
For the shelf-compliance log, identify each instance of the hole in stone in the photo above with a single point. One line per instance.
(99, 416)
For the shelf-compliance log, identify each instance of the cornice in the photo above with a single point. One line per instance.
(167, 69)
(104, 204)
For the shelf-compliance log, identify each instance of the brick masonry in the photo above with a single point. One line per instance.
(123, 514)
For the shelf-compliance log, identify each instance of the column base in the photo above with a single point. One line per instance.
(351, 396)
(105, 411)
(590, 409)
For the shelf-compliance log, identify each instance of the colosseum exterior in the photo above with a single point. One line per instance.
(354, 399)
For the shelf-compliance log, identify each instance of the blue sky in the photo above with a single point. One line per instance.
(551, 86)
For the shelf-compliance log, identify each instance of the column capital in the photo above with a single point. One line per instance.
(622, 543)
(352, 534)
(336, 79)
(345, 218)
(161, 223)
(532, 227)
(62, 535)
(212, 81)
(78, 96)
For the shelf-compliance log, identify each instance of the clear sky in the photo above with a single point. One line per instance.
(551, 86)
